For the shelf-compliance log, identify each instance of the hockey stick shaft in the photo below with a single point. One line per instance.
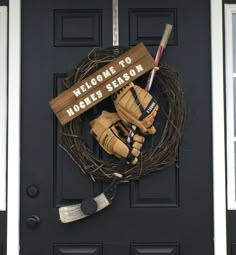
(160, 50)
(162, 46)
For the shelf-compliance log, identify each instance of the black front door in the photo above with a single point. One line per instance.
(169, 212)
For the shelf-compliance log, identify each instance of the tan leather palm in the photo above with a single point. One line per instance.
(136, 106)
(111, 134)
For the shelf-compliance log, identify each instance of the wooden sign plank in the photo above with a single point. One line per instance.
(109, 70)
(101, 84)
(105, 90)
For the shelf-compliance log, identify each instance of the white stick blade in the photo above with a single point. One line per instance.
(73, 212)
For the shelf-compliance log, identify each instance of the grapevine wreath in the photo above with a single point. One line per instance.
(159, 151)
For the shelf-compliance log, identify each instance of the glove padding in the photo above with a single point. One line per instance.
(111, 134)
(136, 106)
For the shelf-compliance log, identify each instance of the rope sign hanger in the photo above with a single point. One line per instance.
(136, 117)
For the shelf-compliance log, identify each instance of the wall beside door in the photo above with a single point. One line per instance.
(3, 227)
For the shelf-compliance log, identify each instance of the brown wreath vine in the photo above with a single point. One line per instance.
(159, 151)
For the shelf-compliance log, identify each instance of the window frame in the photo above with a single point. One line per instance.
(230, 9)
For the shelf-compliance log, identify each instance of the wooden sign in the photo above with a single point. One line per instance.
(101, 84)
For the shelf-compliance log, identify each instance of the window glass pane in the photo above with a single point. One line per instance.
(234, 102)
(235, 169)
(234, 42)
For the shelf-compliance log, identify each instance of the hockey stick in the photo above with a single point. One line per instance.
(90, 206)
(160, 50)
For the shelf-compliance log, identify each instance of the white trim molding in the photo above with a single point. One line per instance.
(218, 135)
(230, 9)
(218, 131)
(14, 87)
(3, 105)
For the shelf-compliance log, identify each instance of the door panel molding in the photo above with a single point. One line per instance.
(145, 194)
(66, 22)
(152, 18)
(14, 128)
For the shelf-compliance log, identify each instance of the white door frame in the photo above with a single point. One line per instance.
(218, 129)
(14, 103)
(3, 104)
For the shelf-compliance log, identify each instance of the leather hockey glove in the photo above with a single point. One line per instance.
(136, 106)
(111, 134)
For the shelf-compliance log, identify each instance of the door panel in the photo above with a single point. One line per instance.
(65, 181)
(168, 212)
(146, 25)
(159, 190)
(69, 28)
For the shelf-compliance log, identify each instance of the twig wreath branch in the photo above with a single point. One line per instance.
(161, 150)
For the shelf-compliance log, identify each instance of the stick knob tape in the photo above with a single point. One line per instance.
(166, 35)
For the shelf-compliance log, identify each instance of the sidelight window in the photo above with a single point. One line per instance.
(230, 89)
